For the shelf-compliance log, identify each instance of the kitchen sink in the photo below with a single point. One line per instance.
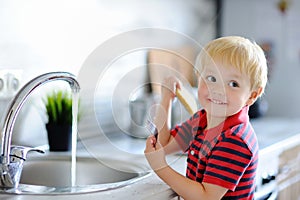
(51, 174)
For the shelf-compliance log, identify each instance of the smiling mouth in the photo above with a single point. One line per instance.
(217, 102)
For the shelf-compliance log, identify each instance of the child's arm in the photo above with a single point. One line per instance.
(189, 189)
(184, 187)
(163, 111)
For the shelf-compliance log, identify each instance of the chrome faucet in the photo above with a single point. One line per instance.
(12, 157)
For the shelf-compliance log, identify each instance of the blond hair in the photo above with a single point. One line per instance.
(240, 53)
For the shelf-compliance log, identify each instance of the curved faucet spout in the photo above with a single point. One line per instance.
(12, 158)
(18, 101)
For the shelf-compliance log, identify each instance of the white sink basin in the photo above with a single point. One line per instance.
(52, 175)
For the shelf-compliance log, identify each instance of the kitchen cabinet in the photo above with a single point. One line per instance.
(288, 178)
(279, 141)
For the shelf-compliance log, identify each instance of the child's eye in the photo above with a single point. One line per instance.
(233, 84)
(211, 78)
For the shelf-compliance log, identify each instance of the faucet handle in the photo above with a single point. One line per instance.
(10, 173)
(20, 152)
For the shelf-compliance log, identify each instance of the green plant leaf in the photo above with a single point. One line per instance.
(59, 107)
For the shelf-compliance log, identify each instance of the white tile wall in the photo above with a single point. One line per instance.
(58, 35)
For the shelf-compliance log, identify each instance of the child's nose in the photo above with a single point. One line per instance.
(218, 89)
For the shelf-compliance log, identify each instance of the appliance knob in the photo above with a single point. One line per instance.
(267, 178)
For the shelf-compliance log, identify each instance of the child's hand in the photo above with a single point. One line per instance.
(155, 154)
(169, 87)
(150, 144)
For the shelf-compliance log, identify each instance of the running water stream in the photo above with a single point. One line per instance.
(75, 97)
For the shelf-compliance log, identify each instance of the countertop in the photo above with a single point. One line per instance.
(120, 147)
(273, 134)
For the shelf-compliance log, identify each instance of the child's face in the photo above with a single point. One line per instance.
(223, 90)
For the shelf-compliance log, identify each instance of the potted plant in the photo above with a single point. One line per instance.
(58, 106)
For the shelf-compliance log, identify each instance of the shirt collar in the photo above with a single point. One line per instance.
(238, 118)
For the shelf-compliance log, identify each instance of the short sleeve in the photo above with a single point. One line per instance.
(227, 163)
(185, 132)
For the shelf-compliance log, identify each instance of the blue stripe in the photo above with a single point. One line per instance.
(226, 178)
(238, 197)
(237, 130)
(185, 134)
(236, 142)
(201, 171)
(192, 172)
(194, 146)
(250, 171)
(192, 162)
(229, 160)
(245, 187)
(230, 170)
(199, 139)
(198, 128)
(246, 132)
(233, 151)
(247, 179)
(196, 115)
(251, 138)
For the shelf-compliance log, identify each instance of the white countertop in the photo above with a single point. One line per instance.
(127, 148)
(269, 131)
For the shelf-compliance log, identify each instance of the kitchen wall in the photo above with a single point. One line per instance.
(42, 36)
(58, 35)
(263, 22)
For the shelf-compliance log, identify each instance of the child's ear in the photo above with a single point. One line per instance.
(253, 97)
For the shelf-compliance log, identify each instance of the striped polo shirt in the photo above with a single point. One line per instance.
(226, 155)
